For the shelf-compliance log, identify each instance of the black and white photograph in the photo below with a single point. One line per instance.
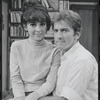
(50, 49)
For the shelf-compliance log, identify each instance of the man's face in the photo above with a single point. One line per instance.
(64, 35)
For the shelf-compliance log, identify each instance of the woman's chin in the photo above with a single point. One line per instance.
(38, 39)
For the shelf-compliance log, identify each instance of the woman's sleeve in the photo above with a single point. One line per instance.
(16, 80)
(49, 85)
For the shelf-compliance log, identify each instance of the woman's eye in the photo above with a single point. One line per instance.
(33, 24)
(43, 24)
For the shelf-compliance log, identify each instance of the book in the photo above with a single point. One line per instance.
(61, 5)
(66, 5)
(19, 4)
(45, 3)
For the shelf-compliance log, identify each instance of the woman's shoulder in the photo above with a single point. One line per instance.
(52, 46)
(19, 42)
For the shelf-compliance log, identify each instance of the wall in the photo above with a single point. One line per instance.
(89, 37)
(4, 45)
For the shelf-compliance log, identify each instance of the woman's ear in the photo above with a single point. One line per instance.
(25, 27)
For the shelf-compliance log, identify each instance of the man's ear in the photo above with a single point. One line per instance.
(25, 27)
(78, 35)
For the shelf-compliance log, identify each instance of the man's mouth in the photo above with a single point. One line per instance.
(60, 42)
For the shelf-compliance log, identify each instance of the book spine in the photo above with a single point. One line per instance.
(61, 5)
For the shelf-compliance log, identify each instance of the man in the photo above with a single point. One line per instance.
(78, 73)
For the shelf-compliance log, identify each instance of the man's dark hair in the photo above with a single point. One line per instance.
(70, 17)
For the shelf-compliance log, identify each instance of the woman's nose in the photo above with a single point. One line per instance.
(38, 28)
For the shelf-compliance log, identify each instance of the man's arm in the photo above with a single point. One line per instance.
(52, 98)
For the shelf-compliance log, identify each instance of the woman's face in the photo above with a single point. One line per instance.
(36, 30)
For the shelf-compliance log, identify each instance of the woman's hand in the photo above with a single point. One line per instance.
(18, 98)
(32, 96)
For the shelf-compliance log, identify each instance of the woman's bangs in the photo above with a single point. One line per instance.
(37, 17)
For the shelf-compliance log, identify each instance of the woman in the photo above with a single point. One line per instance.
(34, 61)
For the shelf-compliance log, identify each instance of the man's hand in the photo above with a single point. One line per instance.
(32, 96)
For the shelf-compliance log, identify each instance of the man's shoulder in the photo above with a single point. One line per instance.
(85, 55)
(51, 45)
(52, 48)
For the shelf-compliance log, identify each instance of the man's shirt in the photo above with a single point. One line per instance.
(78, 75)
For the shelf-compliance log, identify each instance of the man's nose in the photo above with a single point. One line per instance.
(59, 35)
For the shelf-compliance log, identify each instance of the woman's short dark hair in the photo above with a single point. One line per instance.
(33, 11)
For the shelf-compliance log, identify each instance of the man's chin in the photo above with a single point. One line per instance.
(60, 46)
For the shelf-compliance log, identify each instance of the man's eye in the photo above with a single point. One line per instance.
(64, 30)
(55, 30)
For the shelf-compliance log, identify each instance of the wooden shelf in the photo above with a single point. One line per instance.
(16, 9)
(15, 23)
(52, 10)
(25, 37)
(18, 37)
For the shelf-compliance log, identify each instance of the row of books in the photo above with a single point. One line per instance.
(16, 4)
(50, 4)
(17, 30)
(63, 4)
(15, 16)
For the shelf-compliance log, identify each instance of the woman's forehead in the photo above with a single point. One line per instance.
(36, 22)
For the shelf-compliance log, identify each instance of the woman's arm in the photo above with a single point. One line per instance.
(52, 98)
(16, 80)
(49, 85)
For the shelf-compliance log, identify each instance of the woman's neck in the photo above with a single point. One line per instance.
(36, 43)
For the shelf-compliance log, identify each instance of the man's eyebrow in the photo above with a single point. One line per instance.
(64, 28)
